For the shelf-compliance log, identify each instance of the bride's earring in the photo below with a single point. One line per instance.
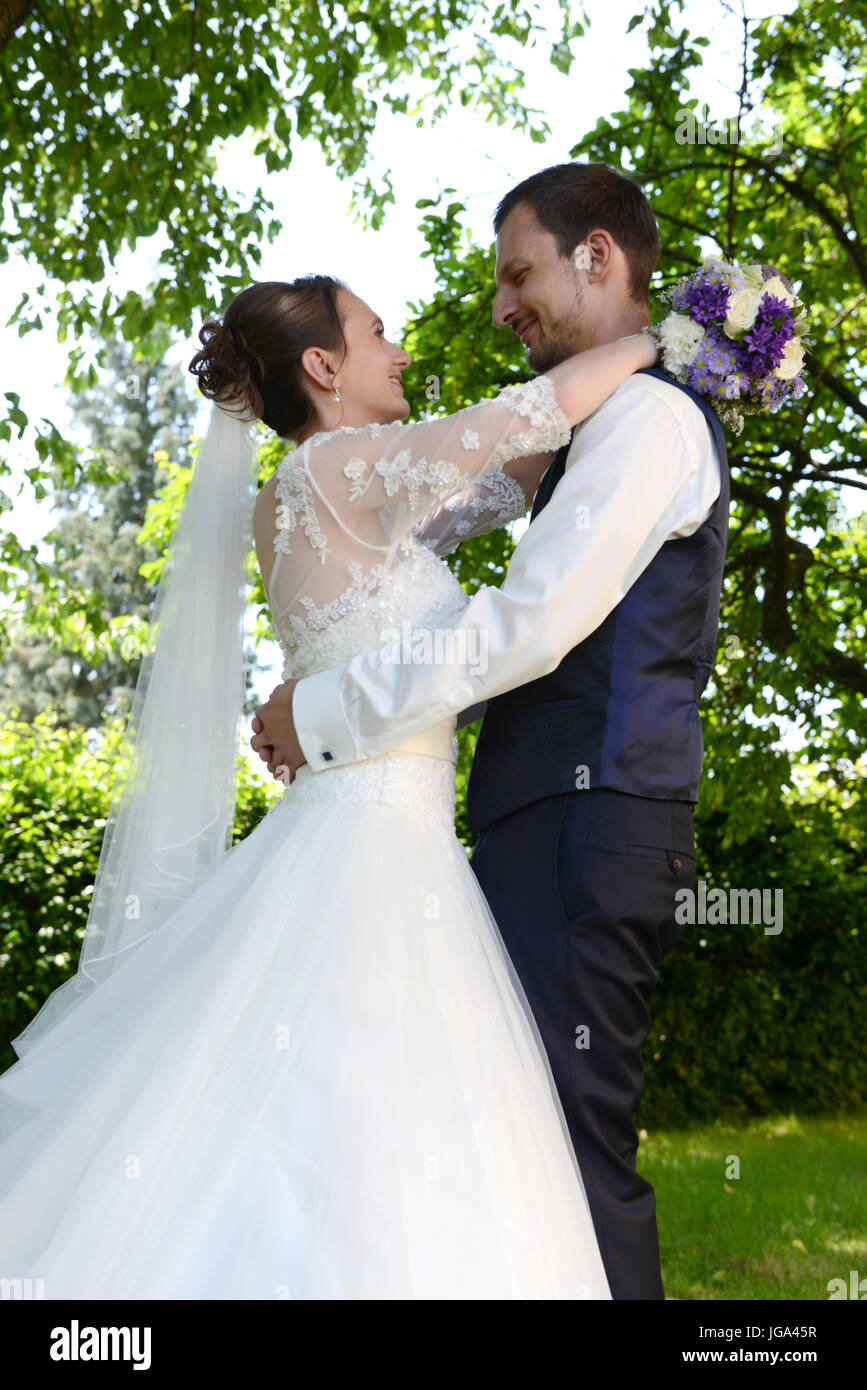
(336, 396)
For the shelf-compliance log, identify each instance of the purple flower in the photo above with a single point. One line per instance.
(704, 295)
(778, 311)
(699, 379)
(773, 392)
(736, 384)
(708, 302)
(699, 375)
(763, 345)
(721, 354)
(678, 297)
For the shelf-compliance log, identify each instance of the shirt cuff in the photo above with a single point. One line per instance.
(320, 721)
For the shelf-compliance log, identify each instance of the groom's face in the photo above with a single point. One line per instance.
(539, 292)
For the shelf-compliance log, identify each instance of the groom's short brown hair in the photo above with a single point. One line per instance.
(569, 200)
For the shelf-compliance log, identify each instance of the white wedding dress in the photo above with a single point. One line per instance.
(320, 1079)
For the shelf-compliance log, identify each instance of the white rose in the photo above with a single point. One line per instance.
(680, 336)
(793, 360)
(742, 310)
(776, 287)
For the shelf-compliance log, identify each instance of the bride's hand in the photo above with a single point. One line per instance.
(649, 348)
(266, 750)
(275, 739)
(653, 348)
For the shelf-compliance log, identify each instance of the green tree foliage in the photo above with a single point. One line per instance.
(110, 121)
(749, 1019)
(61, 650)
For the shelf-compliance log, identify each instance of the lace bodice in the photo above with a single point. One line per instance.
(364, 515)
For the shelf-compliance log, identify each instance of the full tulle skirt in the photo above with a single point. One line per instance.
(320, 1079)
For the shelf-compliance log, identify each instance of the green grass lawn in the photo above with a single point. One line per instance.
(794, 1218)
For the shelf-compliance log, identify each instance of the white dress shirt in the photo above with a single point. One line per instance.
(641, 470)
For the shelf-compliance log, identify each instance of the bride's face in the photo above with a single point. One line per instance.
(369, 378)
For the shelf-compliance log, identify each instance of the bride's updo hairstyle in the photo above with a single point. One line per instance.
(252, 360)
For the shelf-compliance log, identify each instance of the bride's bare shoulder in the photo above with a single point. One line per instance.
(265, 509)
(267, 493)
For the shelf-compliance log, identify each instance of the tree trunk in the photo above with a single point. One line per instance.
(12, 15)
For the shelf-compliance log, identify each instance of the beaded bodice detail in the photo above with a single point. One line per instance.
(418, 589)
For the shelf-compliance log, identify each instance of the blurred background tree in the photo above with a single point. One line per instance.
(141, 414)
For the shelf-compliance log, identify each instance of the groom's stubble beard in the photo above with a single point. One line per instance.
(564, 337)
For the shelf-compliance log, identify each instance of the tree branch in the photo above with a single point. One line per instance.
(806, 196)
(840, 669)
(12, 15)
(840, 389)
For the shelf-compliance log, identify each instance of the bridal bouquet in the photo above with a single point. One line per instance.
(735, 336)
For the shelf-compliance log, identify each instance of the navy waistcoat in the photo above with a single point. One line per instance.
(621, 708)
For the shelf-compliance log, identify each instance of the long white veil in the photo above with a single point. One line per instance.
(173, 799)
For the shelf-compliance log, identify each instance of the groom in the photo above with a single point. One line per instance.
(599, 645)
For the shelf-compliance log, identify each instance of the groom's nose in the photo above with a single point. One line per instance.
(505, 307)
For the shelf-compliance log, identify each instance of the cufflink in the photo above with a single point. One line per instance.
(327, 755)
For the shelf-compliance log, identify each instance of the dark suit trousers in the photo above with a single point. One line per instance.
(582, 885)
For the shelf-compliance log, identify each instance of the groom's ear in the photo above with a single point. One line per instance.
(595, 254)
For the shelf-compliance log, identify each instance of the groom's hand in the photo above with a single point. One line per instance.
(275, 739)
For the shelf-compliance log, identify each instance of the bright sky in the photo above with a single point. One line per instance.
(479, 160)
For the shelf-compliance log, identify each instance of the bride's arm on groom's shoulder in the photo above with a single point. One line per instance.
(584, 382)
(403, 471)
(641, 470)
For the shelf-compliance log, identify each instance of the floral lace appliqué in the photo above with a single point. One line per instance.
(372, 431)
(505, 498)
(549, 429)
(296, 496)
(404, 472)
(353, 596)
(418, 587)
(495, 499)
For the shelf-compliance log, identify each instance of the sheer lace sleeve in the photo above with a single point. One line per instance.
(491, 502)
(379, 480)
(343, 505)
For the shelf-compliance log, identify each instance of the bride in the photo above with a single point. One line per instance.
(304, 1066)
